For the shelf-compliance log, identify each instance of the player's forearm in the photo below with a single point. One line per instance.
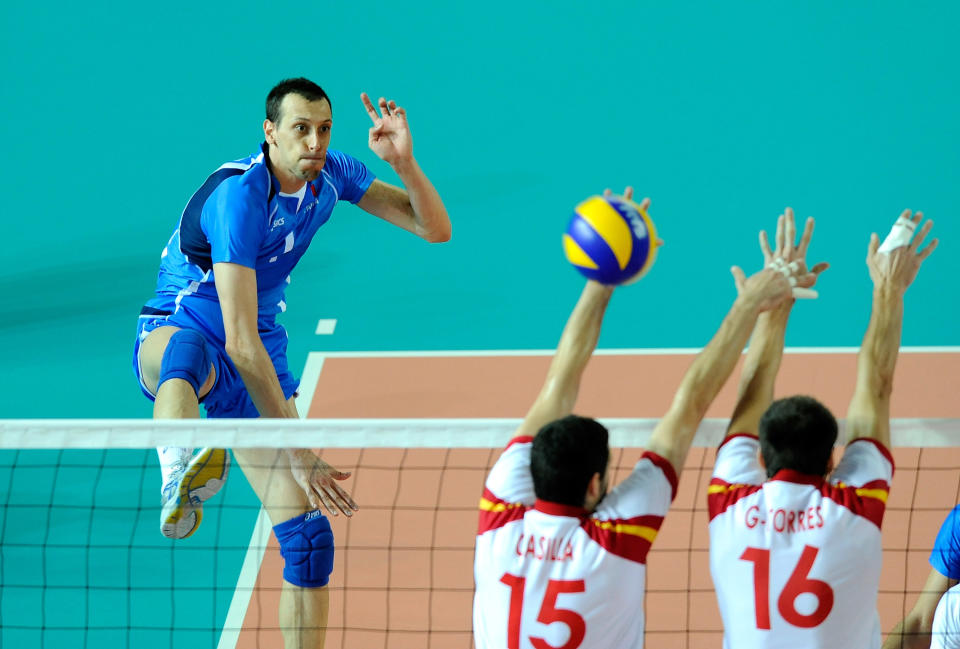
(577, 343)
(881, 345)
(260, 378)
(713, 366)
(908, 634)
(429, 214)
(760, 368)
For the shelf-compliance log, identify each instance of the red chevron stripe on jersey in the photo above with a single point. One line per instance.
(522, 439)
(722, 495)
(495, 513)
(668, 471)
(868, 501)
(629, 538)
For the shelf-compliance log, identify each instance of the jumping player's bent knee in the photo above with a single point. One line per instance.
(186, 357)
(306, 544)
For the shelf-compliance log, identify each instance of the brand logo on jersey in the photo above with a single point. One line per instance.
(276, 224)
(544, 548)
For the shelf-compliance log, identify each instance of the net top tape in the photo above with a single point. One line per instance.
(366, 433)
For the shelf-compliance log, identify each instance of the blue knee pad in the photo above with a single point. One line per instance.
(306, 544)
(186, 357)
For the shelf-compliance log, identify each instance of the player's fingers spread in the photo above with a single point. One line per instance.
(340, 475)
(805, 238)
(645, 204)
(339, 502)
(923, 254)
(384, 107)
(628, 193)
(790, 233)
(921, 235)
(327, 502)
(739, 278)
(905, 214)
(778, 242)
(344, 502)
(765, 247)
(873, 245)
(607, 193)
(819, 268)
(365, 98)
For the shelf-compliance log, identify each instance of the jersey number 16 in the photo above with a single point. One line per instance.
(798, 584)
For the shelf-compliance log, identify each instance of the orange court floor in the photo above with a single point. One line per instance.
(403, 573)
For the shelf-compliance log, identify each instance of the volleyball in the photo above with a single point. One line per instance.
(611, 240)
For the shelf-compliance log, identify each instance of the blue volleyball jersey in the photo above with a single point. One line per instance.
(946, 549)
(240, 216)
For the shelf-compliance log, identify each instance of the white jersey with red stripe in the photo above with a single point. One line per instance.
(945, 632)
(551, 576)
(796, 559)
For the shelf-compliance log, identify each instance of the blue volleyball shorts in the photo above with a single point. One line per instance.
(229, 396)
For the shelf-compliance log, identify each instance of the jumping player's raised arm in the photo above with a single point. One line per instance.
(712, 367)
(893, 267)
(416, 207)
(766, 345)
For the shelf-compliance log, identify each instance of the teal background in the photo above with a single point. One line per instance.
(722, 113)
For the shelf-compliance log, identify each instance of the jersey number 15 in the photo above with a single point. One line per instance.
(549, 612)
(798, 584)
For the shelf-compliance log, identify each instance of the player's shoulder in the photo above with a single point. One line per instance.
(951, 523)
(340, 165)
(246, 177)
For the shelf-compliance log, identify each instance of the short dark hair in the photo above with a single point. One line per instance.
(299, 86)
(797, 433)
(565, 455)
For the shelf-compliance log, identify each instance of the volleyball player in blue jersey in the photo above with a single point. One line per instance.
(210, 333)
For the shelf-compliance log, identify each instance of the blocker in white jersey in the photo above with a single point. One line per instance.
(796, 558)
(795, 551)
(553, 575)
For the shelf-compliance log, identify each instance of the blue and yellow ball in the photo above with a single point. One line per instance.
(611, 240)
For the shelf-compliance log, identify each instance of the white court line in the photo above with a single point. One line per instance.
(325, 327)
(471, 353)
(308, 382)
(237, 612)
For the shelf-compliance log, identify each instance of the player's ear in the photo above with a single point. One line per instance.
(268, 128)
(594, 490)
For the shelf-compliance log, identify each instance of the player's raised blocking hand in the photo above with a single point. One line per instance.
(791, 254)
(894, 263)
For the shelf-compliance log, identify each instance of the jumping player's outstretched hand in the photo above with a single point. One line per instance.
(318, 480)
(788, 253)
(895, 263)
(390, 135)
